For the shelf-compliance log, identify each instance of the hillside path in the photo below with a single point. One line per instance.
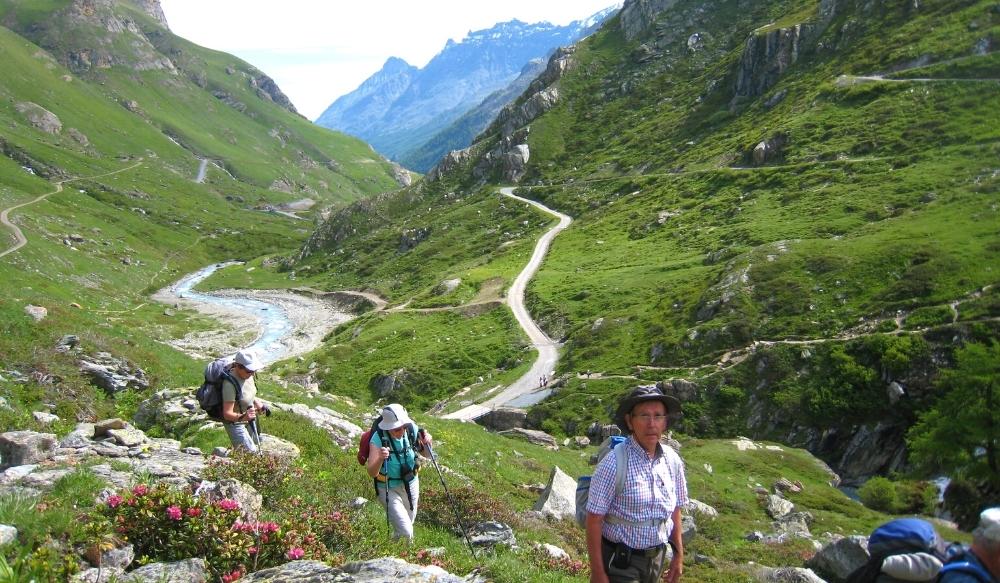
(548, 349)
(19, 239)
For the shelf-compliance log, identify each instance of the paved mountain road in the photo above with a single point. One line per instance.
(548, 349)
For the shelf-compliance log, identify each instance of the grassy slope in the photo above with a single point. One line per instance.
(130, 194)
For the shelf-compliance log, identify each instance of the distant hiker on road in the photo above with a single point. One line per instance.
(981, 564)
(392, 462)
(628, 533)
(239, 417)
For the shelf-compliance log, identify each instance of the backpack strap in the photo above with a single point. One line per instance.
(967, 567)
(228, 376)
(621, 465)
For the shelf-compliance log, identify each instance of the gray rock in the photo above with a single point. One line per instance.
(839, 558)
(7, 534)
(98, 575)
(777, 507)
(44, 417)
(39, 117)
(559, 498)
(186, 571)
(504, 419)
(491, 534)
(249, 499)
(787, 575)
(532, 435)
(18, 448)
(695, 506)
(38, 313)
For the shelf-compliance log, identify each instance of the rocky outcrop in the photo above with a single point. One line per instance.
(507, 157)
(638, 15)
(153, 8)
(268, 90)
(39, 117)
(766, 57)
(451, 162)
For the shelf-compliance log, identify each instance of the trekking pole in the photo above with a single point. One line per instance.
(458, 515)
(385, 472)
(253, 426)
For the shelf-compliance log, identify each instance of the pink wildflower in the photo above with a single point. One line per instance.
(295, 553)
(228, 504)
(114, 500)
(252, 550)
(140, 490)
(193, 511)
(174, 513)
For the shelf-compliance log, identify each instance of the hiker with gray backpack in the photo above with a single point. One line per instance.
(229, 395)
(634, 511)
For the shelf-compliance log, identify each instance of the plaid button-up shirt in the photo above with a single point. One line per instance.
(653, 489)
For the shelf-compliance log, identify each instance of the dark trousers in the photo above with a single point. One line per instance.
(643, 566)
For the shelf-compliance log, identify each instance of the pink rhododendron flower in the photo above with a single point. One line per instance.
(295, 553)
(174, 513)
(114, 500)
(228, 504)
(193, 511)
(140, 490)
(252, 550)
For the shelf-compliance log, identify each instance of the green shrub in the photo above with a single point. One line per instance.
(272, 476)
(879, 494)
(473, 506)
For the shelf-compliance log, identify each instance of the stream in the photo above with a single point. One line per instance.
(284, 324)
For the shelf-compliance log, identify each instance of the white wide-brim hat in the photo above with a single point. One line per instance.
(393, 417)
(249, 360)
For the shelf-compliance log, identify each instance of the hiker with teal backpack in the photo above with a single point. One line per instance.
(633, 524)
(393, 465)
(981, 562)
(239, 401)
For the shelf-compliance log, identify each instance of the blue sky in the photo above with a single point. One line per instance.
(318, 50)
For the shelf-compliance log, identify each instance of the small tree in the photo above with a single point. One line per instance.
(959, 435)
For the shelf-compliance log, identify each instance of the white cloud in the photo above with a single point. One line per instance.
(318, 50)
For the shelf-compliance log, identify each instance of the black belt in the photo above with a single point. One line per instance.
(650, 552)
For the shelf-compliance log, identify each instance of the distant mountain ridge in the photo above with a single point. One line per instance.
(401, 107)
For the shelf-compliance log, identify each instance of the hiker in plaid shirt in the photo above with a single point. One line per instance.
(629, 532)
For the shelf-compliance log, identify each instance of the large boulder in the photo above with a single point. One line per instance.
(559, 498)
(373, 571)
(504, 419)
(532, 435)
(839, 558)
(18, 448)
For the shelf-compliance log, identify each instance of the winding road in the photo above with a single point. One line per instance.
(525, 390)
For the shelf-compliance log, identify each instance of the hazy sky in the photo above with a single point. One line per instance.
(318, 50)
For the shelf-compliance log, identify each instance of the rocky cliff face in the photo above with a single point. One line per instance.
(153, 8)
(766, 57)
(508, 156)
(638, 15)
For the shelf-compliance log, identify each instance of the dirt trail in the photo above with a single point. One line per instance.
(19, 239)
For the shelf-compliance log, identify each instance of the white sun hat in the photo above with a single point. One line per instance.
(249, 360)
(393, 417)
